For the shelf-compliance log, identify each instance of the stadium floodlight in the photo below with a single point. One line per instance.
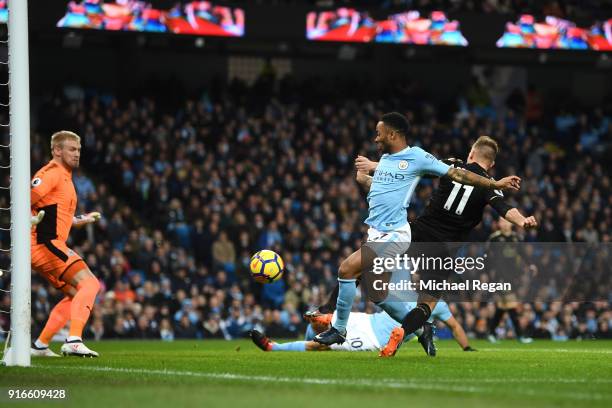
(19, 102)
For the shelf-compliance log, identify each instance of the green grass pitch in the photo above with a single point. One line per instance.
(236, 374)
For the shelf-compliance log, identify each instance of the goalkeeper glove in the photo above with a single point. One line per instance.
(36, 219)
(88, 218)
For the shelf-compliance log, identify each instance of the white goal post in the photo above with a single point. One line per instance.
(19, 102)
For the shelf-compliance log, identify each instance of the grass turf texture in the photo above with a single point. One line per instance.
(220, 373)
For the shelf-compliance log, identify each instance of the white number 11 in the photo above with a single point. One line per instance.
(453, 195)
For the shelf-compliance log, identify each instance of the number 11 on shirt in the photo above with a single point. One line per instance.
(464, 198)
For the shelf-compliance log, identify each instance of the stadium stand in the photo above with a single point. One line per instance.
(189, 190)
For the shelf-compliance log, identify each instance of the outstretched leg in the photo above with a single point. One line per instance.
(349, 271)
(265, 344)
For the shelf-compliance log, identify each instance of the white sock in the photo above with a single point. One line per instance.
(74, 338)
(40, 344)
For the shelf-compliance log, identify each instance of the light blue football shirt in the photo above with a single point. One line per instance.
(393, 183)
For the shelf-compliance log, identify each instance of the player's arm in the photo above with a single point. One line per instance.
(450, 161)
(515, 217)
(428, 164)
(84, 219)
(511, 214)
(365, 165)
(458, 333)
(463, 176)
(364, 180)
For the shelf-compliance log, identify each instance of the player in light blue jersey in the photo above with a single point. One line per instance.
(390, 189)
(393, 183)
(365, 332)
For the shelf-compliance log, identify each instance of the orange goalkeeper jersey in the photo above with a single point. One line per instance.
(53, 191)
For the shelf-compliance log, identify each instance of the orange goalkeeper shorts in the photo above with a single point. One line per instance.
(56, 262)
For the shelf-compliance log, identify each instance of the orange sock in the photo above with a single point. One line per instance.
(82, 304)
(58, 318)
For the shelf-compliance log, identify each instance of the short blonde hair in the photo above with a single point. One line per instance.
(60, 137)
(487, 148)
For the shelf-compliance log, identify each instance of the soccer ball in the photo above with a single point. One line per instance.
(267, 266)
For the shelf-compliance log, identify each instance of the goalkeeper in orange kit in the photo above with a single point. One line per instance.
(53, 195)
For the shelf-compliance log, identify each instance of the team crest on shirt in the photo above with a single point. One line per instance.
(36, 182)
(403, 165)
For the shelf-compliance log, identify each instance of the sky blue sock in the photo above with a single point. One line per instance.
(396, 309)
(293, 346)
(344, 304)
(310, 333)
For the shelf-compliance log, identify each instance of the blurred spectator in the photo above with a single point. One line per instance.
(166, 331)
(184, 329)
(224, 254)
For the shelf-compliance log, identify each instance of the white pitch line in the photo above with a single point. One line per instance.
(528, 380)
(541, 350)
(383, 383)
(380, 383)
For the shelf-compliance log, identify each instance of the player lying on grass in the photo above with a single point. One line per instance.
(366, 332)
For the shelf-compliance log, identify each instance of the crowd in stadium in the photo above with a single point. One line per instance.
(189, 191)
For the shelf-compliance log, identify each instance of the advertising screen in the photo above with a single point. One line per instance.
(556, 33)
(410, 27)
(196, 17)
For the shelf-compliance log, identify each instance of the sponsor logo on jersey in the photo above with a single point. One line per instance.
(36, 182)
(383, 175)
